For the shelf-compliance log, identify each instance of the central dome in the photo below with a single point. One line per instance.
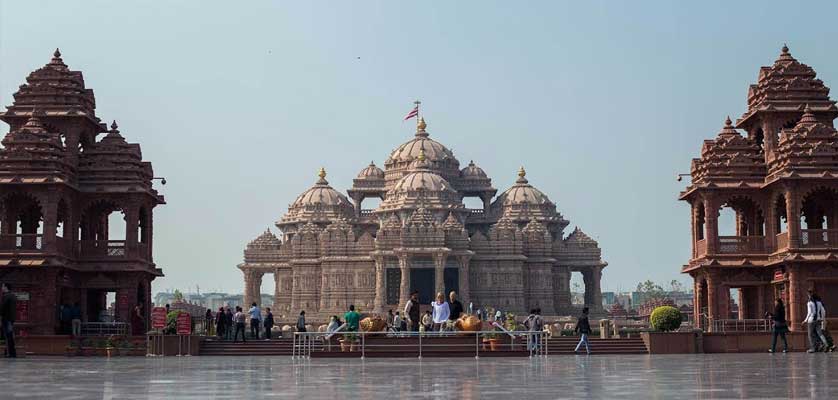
(421, 185)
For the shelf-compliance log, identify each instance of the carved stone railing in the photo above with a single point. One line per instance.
(33, 242)
(741, 244)
(819, 238)
(111, 249)
(782, 240)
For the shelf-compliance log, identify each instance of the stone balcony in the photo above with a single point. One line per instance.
(20, 244)
(814, 239)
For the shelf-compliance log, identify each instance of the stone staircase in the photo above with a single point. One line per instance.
(566, 344)
(275, 347)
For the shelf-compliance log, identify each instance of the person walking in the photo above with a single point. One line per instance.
(138, 321)
(240, 319)
(352, 319)
(455, 306)
(269, 323)
(441, 311)
(780, 326)
(8, 309)
(301, 322)
(221, 324)
(815, 313)
(583, 327)
(411, 311)
(255, 320)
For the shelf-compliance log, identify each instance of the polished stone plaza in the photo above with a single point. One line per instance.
(663, 376)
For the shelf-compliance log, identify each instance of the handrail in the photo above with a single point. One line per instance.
(303, 343)
(498, 325)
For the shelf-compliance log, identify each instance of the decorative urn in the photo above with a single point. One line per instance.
(373, 324)
(468, 323)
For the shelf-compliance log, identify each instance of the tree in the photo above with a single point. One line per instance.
(650, 290)
(676, 286)
(178, 296)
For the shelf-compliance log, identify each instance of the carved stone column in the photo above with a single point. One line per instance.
(277, 291)
(793, 214)
(404, 286)
(248, 287)
(439, 273)
(743, 303)
(465, 286)
(711, 223)
(796, 298)
(132, 223)
(50, 207)
(712, 289)
(596, 278)
(256, 291)
(380, 294)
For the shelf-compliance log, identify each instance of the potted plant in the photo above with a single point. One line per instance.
(73, 348)
(86, 347)
(110, 345)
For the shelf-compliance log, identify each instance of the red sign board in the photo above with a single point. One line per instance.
(158, 317)
(22, 306)
(184, 324)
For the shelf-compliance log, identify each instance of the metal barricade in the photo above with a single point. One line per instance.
(104, 328)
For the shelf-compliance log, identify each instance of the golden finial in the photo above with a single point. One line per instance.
(421, 156)
(322, 173)
(421, 125)
(521, 172)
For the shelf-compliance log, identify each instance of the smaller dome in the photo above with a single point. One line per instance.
(523, 193)
(473, 171)
(371, 172)
(321, 194)
(267, 240)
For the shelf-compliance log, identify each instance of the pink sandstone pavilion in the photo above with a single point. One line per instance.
(511, 254)
(781, 182)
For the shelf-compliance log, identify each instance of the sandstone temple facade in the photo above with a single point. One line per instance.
(59, 183)
(512, 253)
(779, 183)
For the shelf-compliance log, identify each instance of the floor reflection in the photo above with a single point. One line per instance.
(629, 376)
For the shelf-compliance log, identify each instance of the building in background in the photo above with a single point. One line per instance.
(512, 253)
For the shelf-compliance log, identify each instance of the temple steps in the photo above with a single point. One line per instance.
(274, 347)
(566, 345)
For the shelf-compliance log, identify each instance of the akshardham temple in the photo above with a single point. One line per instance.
(778, 184)
(59, 183)
(510, 254)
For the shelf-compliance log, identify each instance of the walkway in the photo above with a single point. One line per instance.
(608, 376)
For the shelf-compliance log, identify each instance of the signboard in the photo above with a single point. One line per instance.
(158, 317)
(22, 306)
(184, 324)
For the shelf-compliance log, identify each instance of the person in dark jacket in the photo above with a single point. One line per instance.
(8, 309)
(780, 326)
(411, 311)
(269, 323)
(221, 323)
(229, 324)
(583, 327)
(455, 306)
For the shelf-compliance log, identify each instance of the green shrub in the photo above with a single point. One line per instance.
(666, 318)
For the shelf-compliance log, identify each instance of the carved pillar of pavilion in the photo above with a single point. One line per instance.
(465, 285)
(793, 214)
(711, 223)
(596, 278)
(439, 273)
(770, 232)
(404, 285)
(380, 294)
(132, 223)
(50, 210)
(743, 303)
(277, 291)
(698, 295)
(252, 287)
(796, 298)
(712, 300)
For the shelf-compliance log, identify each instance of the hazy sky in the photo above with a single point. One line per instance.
(238, 104)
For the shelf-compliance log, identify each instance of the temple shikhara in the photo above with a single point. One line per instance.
(779, 183)
(511, 254)
(62, 174)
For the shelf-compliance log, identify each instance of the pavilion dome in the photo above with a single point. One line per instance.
(434, 151)
(321, 194)
(472, 171)
(729, 159)
(371, 172)
(267, 240)
(421, 185)
(523, 193)
(319, 203)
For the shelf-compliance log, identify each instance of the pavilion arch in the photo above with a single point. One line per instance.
(97, 223)
(21, 221)
(780, 214)
(745, 217)
(820, 208)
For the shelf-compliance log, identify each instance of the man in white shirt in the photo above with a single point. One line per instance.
(255, 320)
(815, 314)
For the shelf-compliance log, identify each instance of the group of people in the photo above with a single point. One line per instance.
(229, 324)
(815, 321)
(441, 316)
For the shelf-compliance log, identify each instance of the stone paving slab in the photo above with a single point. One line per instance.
(701, 376)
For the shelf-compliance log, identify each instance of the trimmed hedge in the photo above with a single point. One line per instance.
(666, 318)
